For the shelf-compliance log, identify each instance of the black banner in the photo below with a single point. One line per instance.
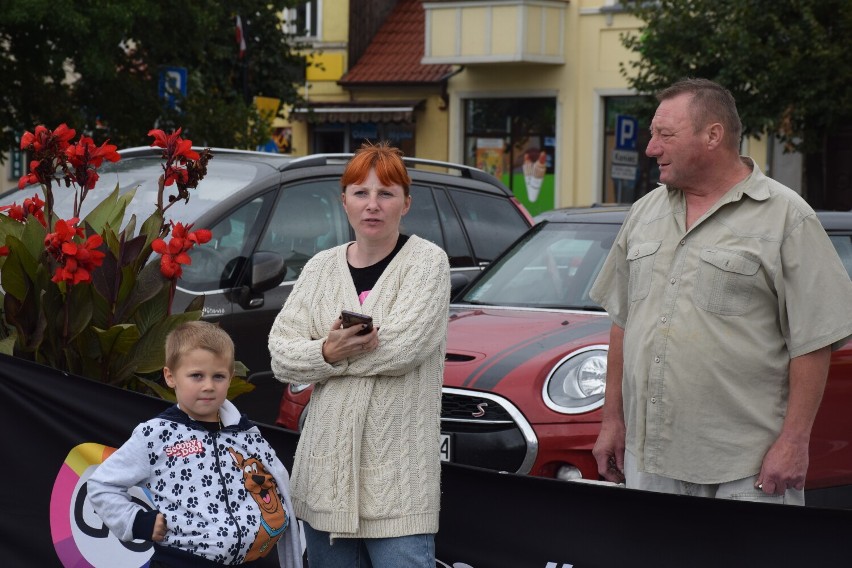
(55, 427)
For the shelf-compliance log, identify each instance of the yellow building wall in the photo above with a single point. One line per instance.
(592, 52)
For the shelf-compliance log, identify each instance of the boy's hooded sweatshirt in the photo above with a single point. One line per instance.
(225, 494)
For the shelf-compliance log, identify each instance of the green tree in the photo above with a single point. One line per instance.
(787, 62)
(96, 65)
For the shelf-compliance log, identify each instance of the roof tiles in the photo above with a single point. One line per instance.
(394, 54)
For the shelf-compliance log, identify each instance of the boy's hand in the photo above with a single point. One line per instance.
(160, 528)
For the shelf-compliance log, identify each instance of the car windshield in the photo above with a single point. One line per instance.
(224, 178)
(553, 266)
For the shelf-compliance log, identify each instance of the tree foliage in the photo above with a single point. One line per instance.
(787, 62)
(97, 64)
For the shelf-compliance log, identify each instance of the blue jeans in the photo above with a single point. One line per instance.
(413, 551)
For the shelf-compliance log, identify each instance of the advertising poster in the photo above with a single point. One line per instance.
(532, 174)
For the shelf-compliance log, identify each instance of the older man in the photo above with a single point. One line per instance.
(726, 298)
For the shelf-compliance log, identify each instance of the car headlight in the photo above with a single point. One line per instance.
(577, 383)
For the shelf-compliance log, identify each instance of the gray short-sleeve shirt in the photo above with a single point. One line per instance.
(712, 317)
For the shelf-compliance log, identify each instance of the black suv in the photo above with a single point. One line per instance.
(270, 213)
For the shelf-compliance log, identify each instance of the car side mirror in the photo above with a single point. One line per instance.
(267, 270)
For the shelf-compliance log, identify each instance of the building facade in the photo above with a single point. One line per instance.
(529, 90)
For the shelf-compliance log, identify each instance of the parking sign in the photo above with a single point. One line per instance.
(626, 130)
(172, 81)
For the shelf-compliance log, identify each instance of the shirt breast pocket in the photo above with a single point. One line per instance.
(726, 280)
(640, 257)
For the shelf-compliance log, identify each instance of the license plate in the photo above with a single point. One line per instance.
(446, 448)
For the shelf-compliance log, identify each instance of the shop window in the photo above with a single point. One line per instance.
(514, 139)
(340, 137)
(628, 173)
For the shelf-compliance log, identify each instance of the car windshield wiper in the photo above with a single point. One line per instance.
(588, 308)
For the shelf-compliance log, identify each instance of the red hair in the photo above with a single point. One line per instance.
(384, 158)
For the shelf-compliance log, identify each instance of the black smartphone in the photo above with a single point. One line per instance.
(353, 318)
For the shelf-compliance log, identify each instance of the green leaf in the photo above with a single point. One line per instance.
(16, 275)
(151, 228)
(101, 311)
(239, 386)
(149, 284)
(162, 392)
(149, 353)
(131, 250)
(196, 304)
(110, 210)
(28, 319)
(9, 226)
(33, 236)
(7, 345)
(79, 305)
(152, 311)
(119, 339)
(104, 277)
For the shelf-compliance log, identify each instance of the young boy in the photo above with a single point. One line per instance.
(221, 495)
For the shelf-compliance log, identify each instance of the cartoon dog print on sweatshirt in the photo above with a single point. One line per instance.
(262, 487)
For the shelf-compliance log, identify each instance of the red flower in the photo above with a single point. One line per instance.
(174, 253)
(32, 207)
(176, 148)
(45, 139)
(177, 153)
(75, 260)
(176, 174)
(65, 231)
(4, 251)
(85, 157)
(48, 148)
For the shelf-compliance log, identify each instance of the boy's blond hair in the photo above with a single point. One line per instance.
(198, 335)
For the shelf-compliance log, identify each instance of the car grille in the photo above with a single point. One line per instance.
(474, 409)
(487, 431)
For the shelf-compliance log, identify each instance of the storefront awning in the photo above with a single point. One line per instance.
(361, 111)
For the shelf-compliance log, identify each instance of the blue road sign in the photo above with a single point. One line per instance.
(626, 131)
(172, 83)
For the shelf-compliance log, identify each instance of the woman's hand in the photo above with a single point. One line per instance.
(342, 343)
(160, 528)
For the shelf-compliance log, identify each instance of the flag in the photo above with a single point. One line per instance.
(240, 37)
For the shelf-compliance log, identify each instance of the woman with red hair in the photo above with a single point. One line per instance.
(366, 478)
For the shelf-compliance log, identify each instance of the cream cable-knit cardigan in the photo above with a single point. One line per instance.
(367, 464)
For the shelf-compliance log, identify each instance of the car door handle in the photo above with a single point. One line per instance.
(255, 302)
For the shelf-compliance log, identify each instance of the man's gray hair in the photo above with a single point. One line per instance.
(711, 102)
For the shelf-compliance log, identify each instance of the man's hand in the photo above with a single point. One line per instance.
(786, 463)
(784, 467)
(609, 451)
(160, 529)
(609, 448)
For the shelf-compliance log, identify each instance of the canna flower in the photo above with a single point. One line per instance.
(75, 261)
(85, 157)
(177, 152)
(48, 149)
(34, 207)
(64, 232)
(174, 253)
